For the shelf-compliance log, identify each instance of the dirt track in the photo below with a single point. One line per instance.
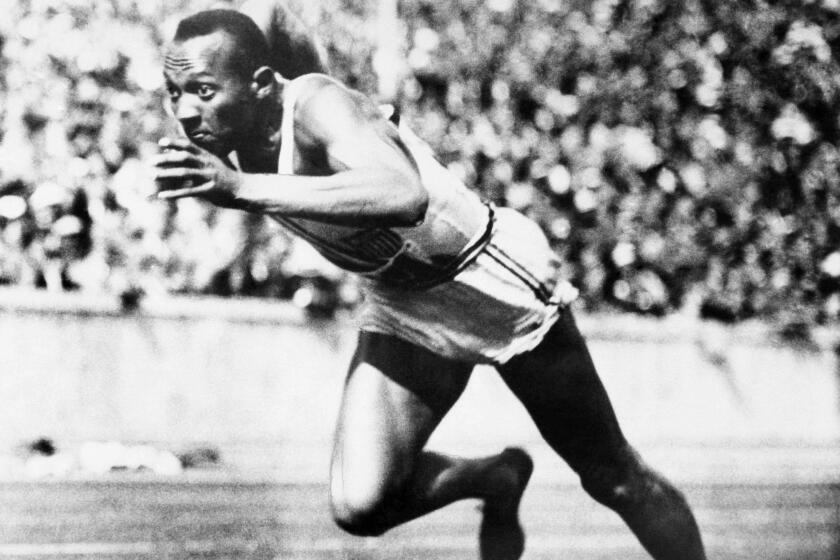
(128, 516)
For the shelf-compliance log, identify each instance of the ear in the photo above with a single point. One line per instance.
(263, 82)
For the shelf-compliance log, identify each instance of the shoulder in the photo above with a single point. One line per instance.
(322, 102)
(314, 86)
(322, 93)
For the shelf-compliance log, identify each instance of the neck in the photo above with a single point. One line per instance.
(260, 151)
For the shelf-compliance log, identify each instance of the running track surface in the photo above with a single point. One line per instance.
(142, 517)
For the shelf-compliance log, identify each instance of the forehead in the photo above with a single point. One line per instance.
(206, 54)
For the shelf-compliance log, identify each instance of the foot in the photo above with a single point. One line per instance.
(501, 536)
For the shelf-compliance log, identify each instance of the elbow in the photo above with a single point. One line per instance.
(413, 209)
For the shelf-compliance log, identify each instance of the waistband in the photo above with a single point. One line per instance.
(404, 273)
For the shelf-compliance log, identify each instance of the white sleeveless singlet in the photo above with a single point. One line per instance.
(456, 226)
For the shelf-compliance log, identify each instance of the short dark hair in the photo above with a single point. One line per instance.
(250, 45)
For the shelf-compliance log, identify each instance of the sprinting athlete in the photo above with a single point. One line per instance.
(449, 282)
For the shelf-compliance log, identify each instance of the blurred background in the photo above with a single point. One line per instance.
(682, 158)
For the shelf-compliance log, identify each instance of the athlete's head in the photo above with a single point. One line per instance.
(218, 78)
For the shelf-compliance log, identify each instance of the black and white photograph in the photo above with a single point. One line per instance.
(420, 279)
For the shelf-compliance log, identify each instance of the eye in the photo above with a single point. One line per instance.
(205, 91)
(173, 92)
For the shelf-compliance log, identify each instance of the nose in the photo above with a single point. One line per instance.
(185, 110)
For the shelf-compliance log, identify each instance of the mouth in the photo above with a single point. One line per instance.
(199, 137)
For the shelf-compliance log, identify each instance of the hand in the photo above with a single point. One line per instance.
(183, 169)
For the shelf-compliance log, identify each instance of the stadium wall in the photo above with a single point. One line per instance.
(180, 370)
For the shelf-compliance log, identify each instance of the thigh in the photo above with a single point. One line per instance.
(562, 392)
(395, 396)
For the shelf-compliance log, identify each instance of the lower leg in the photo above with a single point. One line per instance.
(559, 386)
(395, 396)
(501, 536)
(652, 507)
(664, 524)
(436, 481)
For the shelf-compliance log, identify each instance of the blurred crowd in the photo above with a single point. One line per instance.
(680, 156)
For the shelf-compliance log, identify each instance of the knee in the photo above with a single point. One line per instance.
(359, 510)
(626, 483)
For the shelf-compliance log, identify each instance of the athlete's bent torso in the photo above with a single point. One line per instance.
(469, 282)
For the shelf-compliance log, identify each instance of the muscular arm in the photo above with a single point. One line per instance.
(373, 181)
(369, 179)
(357, 197)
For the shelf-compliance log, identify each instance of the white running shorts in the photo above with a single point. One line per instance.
(500, 305)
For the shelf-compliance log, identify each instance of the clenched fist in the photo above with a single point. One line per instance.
(183, 169)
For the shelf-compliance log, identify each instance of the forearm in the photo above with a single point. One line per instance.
(358, 197)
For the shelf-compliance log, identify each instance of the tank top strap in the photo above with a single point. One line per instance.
(286, 159)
